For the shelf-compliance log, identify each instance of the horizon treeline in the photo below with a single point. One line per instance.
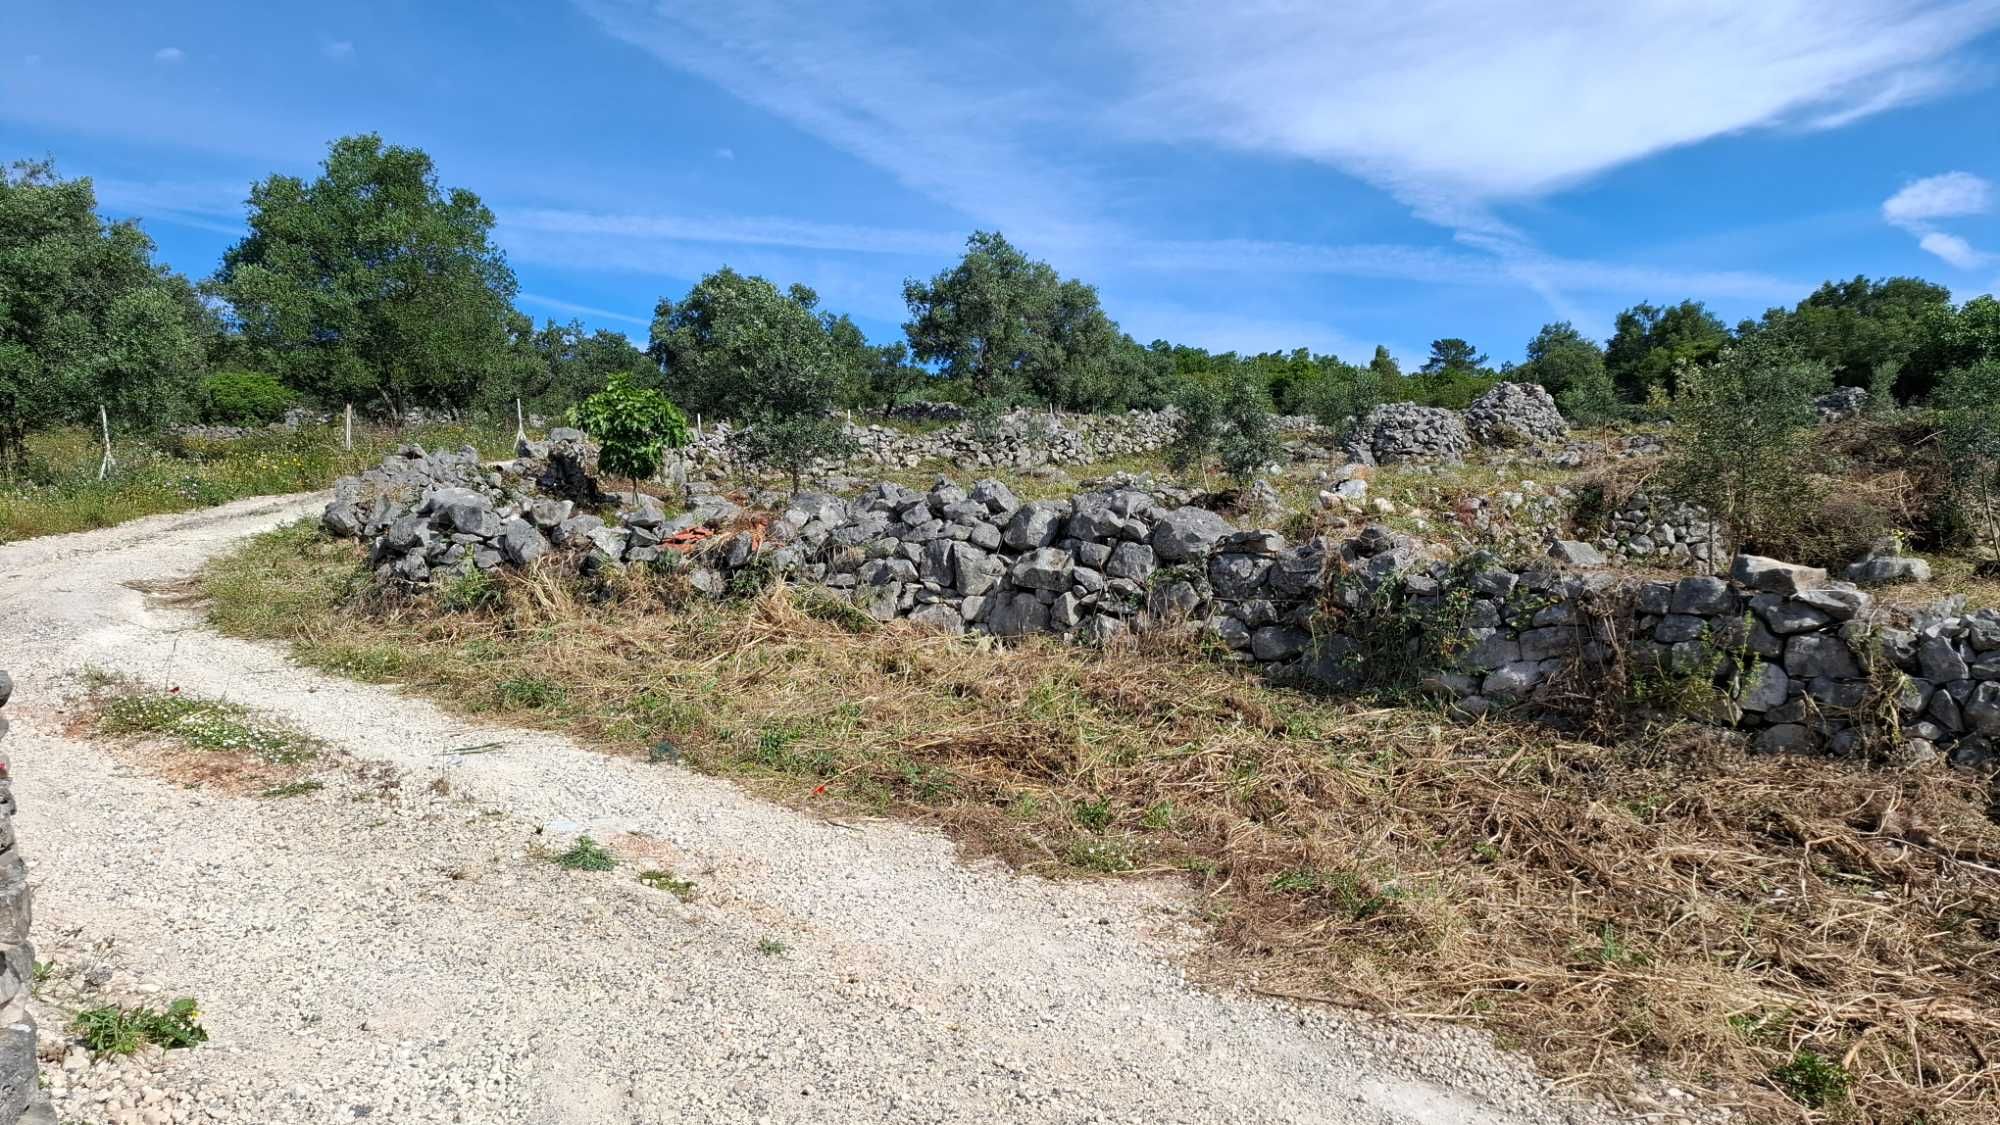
(371, 284)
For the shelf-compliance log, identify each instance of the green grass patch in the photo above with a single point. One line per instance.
(112, 1030)
(669, 882)
(204, 724)
(586, 855)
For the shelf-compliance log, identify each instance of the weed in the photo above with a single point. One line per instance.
(1159, 816)
(1812, 1080)
(586, 855)
(1105, 857)
(771, 947)
(297, 788)
(1094, 815)
(531, 693)
(204, 724)
(112, 1030)
(669, 882)
(466, 588)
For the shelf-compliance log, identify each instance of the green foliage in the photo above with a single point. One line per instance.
(559, 366)
(1864, 330)
(1812, 1080)
(586, 855)
(1651, 344)
(1228, 418)
(1572, 370)
(771, 947)
(86, 318)
(1340, 398)
(113, 1030)
(244, 398)
(740, 347)
(1969, 404)
(370, 282)
(1743, 440)
(1952, 340)
(633, 426)
(1014, 329)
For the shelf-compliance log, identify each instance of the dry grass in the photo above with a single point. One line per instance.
(1763, 930)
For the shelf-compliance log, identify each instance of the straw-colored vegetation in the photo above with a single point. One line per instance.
(1805, 940)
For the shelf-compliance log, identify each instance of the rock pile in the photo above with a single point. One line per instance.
(921, 411)
(1403, 431)
(1515, 414)
(1840, 403)
(21, 1099)
(1657, 529)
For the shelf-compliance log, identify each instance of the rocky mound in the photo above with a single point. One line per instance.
(1513, 414)
(1403, 431)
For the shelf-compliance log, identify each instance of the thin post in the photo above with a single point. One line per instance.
(347, 434)
(105, 466)
(520, 426)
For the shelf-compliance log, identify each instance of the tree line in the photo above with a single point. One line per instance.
(372, 284)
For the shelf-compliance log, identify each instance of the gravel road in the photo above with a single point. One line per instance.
(395, 945)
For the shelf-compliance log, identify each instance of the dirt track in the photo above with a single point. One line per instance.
(391, 947)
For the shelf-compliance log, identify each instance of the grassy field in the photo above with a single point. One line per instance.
(58, 489)
(1801, 939)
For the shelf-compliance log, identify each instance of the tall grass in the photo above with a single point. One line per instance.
(57, 490)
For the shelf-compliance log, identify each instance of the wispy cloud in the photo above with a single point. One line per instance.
(1455, 110)
(1920, 204)
(169, 55)
(571, 307)
(340, 50)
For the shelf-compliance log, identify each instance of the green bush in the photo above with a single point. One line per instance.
(1969, 399)
(244, 398)
(1743, 444)
(634, 427)
(121, 1031)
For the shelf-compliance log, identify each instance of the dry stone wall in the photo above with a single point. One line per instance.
(1793, 658)
(20, 1097)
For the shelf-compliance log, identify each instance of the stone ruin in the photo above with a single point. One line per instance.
(21, 1098)
(1507, 415)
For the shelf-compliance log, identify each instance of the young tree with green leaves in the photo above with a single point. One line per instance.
(372, 283)
(634, 427)
(1226, 417)
(1743, 439)
(86, 317)
(1650, 344)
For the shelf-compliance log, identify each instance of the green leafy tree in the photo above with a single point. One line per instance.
(1743, 441)
(875, 377)
(1341, 398)
(86, 317)
(1969, 404)
(740, 347)
(1227, 418)
(1866, 331)
(633, 426)
(558, 365)
(1454, 375)
(371, 282)
(1013, 329)
(1572, 370)
(1650, 344)
(1952, 339)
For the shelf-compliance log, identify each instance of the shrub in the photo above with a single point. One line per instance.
(634, 427)
(1743, 443)
(1229, 419)
(586, 855)
(244, 398)
(1970, 400)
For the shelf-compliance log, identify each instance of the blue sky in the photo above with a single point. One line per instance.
(1247, 175)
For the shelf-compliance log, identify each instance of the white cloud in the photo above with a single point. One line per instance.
(725, 154)
(339, 50)
(581, 310)
(1951, 195)
(1452, 108)
(169, 55)
(1954, 250)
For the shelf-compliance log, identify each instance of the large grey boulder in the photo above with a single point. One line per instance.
(520, 542)
(1046, 568)
(1035, 525)
(1771, 576)
(1184, 533)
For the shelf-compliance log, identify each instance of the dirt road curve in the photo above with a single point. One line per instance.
(393, 952)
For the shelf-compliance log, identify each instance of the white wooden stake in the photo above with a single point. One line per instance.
(347, 435)
(105, 466)
(520, 426)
